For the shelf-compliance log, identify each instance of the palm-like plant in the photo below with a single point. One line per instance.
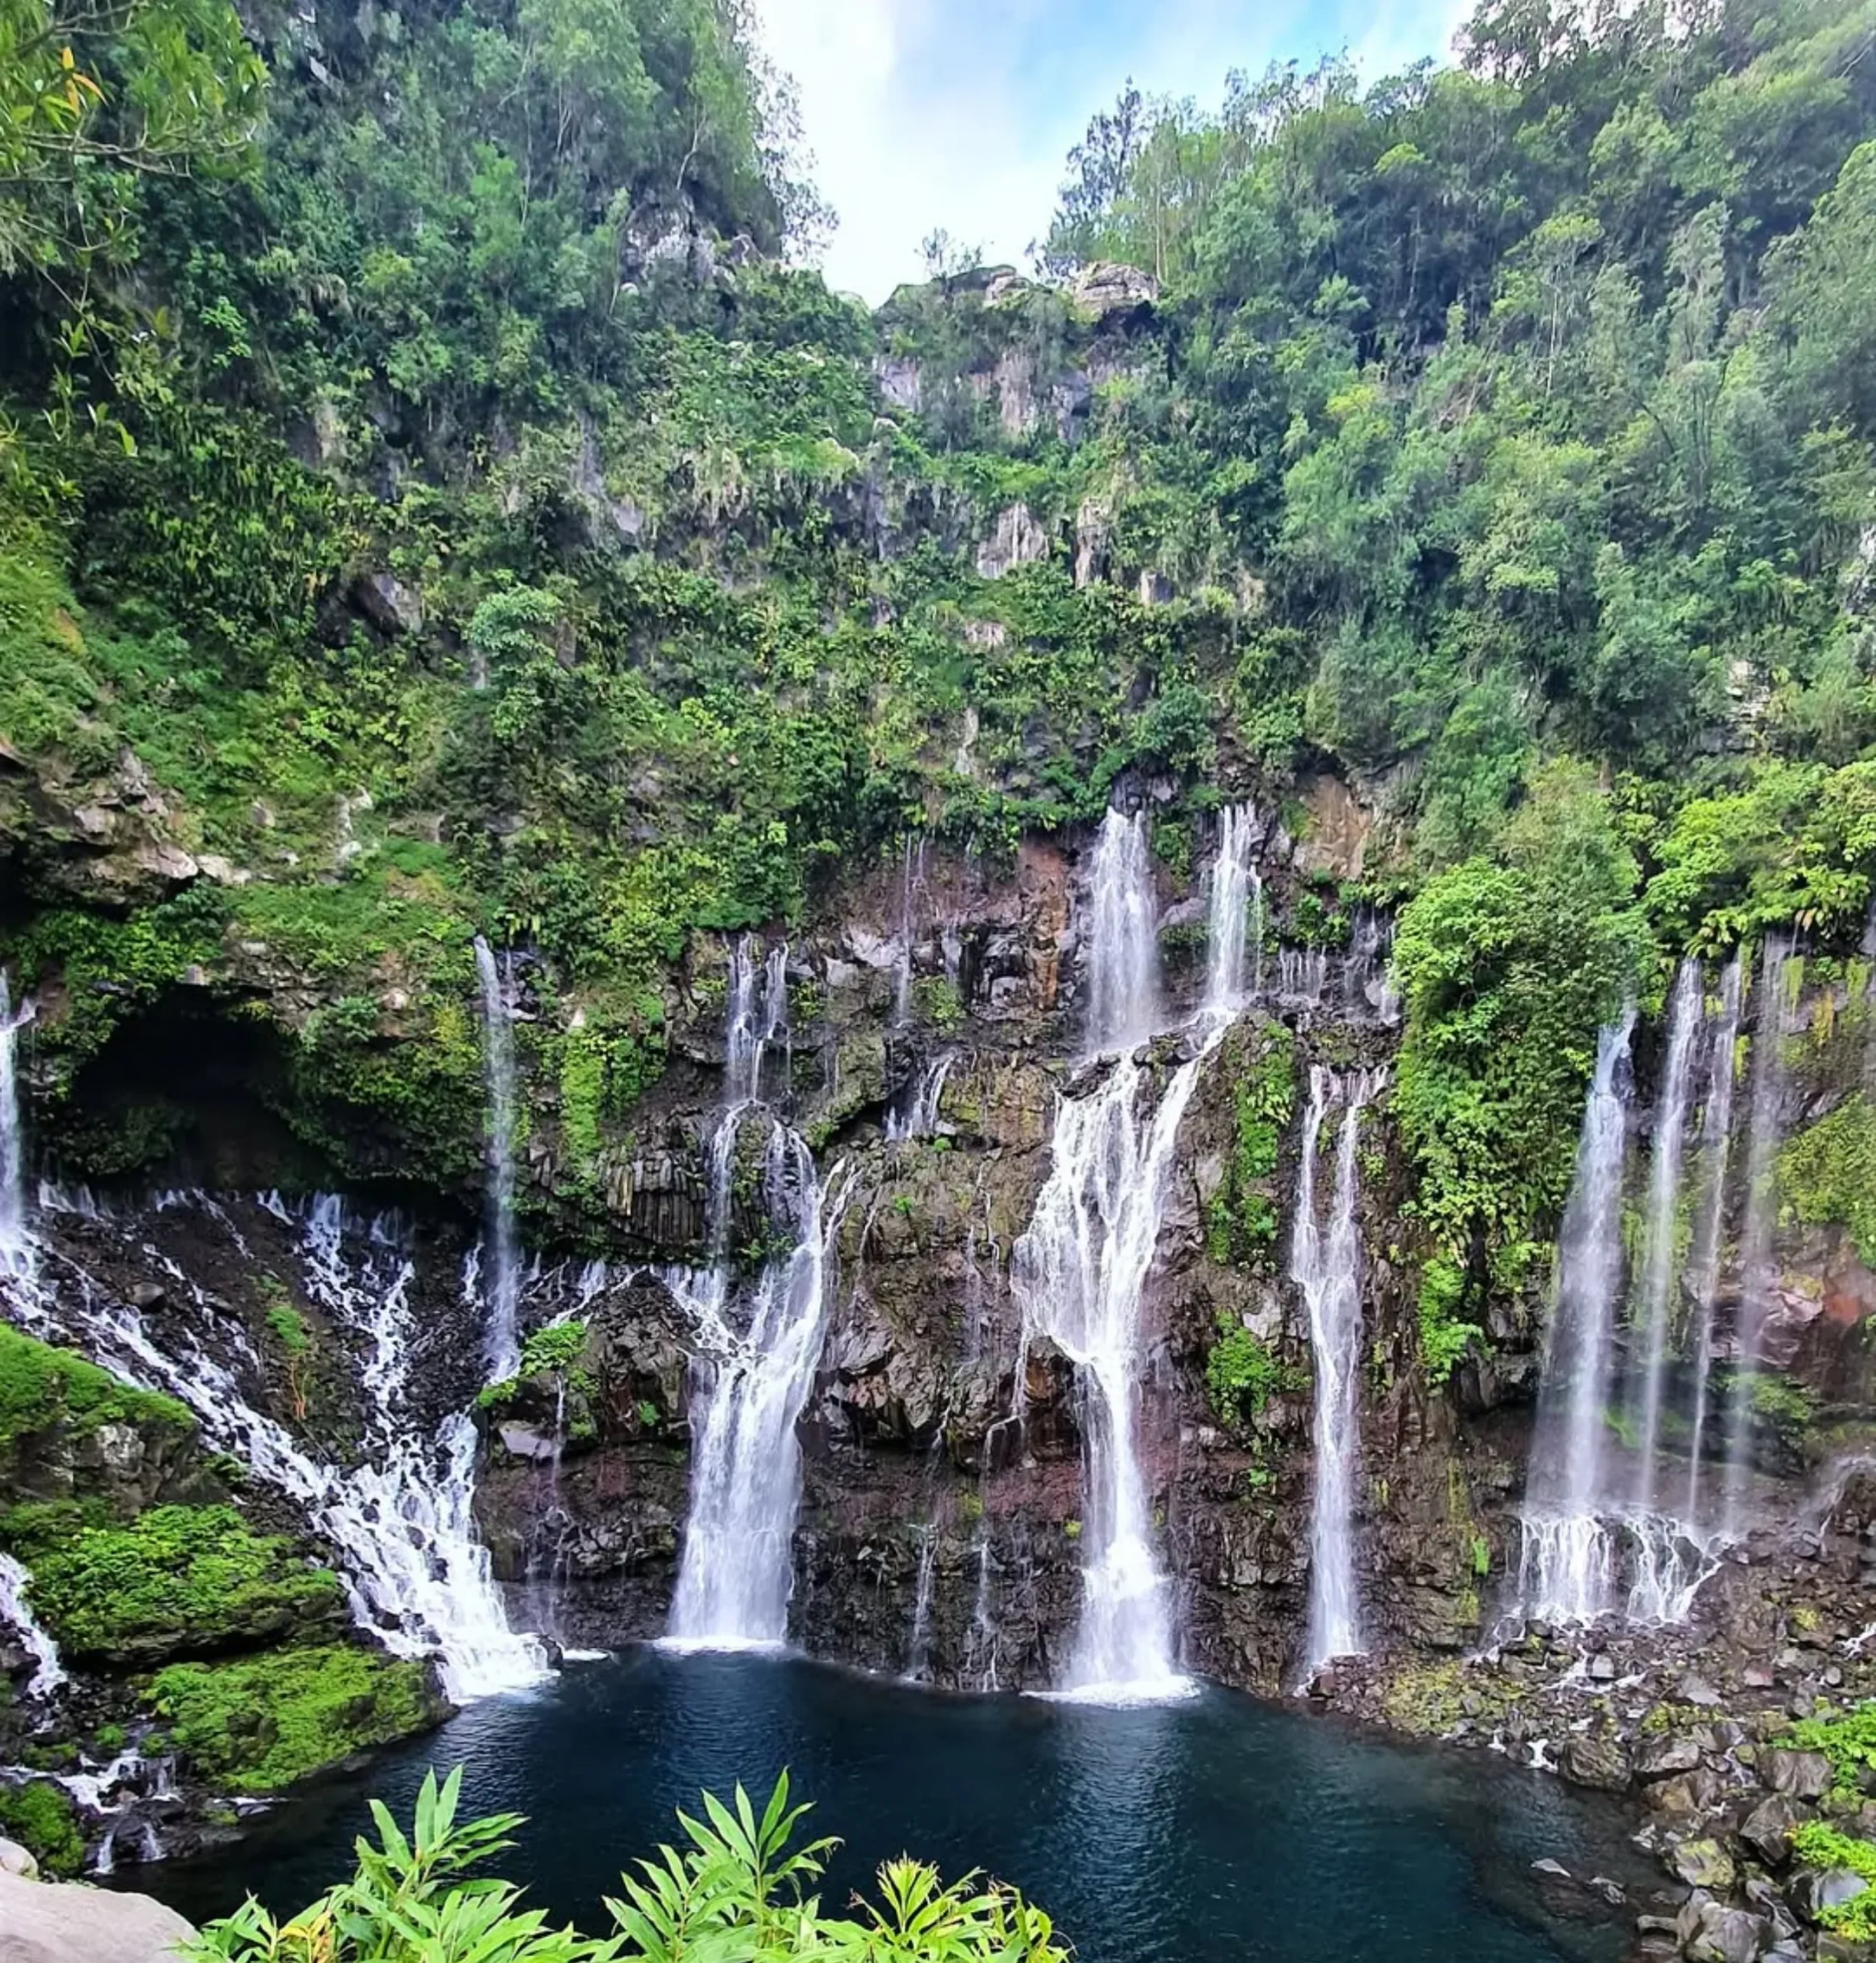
(737, 1893)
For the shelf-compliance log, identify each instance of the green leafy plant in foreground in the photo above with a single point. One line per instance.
(736, 1894)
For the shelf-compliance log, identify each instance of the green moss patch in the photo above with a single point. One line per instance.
(259, 1724)
(41, 1388)
(1827, 1174)
(178, 1581)
(44, 1819)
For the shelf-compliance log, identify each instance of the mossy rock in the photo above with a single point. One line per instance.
(176, 1581)
(260, 1723)
(43, 1817)
(43, 1390)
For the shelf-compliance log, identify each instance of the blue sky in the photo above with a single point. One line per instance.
(959, 112)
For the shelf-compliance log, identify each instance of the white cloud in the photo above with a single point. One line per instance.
(959, 113)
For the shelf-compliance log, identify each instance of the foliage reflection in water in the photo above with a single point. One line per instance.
(1217, 1829)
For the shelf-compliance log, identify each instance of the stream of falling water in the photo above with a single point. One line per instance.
(1326, 1267)
(502, 1335)
(1079, 1270)
(1670, 1121)
(15, 1243)
(47, 1673)
(759, 1340)
(1717, 1137)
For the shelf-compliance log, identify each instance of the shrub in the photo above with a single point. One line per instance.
(737, 1890)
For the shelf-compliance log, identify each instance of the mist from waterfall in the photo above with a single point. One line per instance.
(758, 1340)
(502, 1335)
(1325, 1266)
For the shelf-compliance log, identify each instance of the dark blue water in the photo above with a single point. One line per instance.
(1221, 1828)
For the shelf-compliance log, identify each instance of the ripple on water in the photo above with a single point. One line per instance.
(1211, 1829)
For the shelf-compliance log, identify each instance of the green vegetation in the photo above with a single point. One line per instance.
(556, 1347)
(1819, 1845)
(1241, 1220)
(1847, 1739)
(176, 1580)
(1827, 1173)
(737, 1888)
(43, 1818)
(42, 1389)
(1241, 1375)
(258, 1723)
(435, 498)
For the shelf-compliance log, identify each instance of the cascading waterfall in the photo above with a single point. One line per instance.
(1670, 1122)
(1234, 881)
(912, 880)
(47, 1673)
(918, 1649)
(416, 1574)
(15, 1242)
(918, 1115)
(735, 1569)
(1567, 1566)
(1717, 1140)
(1326, 1267)
(1302, 974)
(1758, 1265)
(1079, 1269)
(1123, 960)
(503, 1337)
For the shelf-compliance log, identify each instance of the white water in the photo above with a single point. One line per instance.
(1079, 1270)
(1670, 1124)
(414, 1572)
(1758, 1263)
(918, 1115)
(1234, 884)
(47, 1673)
(1302, 974)
(760, 1339)
(1123, 941)
(15, 1243)
(502, 1335)
(918, 1650)
(1564, 1571)
(1326, 1267)
(1709, 1238)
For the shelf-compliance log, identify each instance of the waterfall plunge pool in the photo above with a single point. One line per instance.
(1216, 1829)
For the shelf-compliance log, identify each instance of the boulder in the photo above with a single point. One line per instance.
(1727, 1935)
(1817, 1890)
(48, 1923)
(14, 1859)
(1704, 1864)
(1798, 1775)
(1768, 1829)
(1677, 1751)
(1595, 1758)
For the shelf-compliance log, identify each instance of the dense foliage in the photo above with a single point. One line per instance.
(483, 525)
(737, 1889)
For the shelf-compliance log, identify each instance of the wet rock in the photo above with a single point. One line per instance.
(14, 1859)
(1677, 1751)
(52, 1922)
(1799, 1775)
(1727, 1935)
(1595, 1758)
(388, 603)
(1703, 1864)
(1768, 1828)
(1817, 1890)
(1602, 1667)
(1692, 1689)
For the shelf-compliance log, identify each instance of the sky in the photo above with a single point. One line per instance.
(960, 113)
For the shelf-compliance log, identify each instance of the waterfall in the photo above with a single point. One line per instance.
(759, 1343)
(414, 1571)
(46, 1675)
(735, 1571)
(918, 1115)
(918, 1651)
(15, 1243)
(986, 1638)
(1327, 1268)
(1302, 974)
(1079, 1269)
(1123, 956)
(912, 879)
(502, 1336)
(1758, 1261)
(1567, 1565)
(1717, 1139)
(1670, 1120)
(1234, 880)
